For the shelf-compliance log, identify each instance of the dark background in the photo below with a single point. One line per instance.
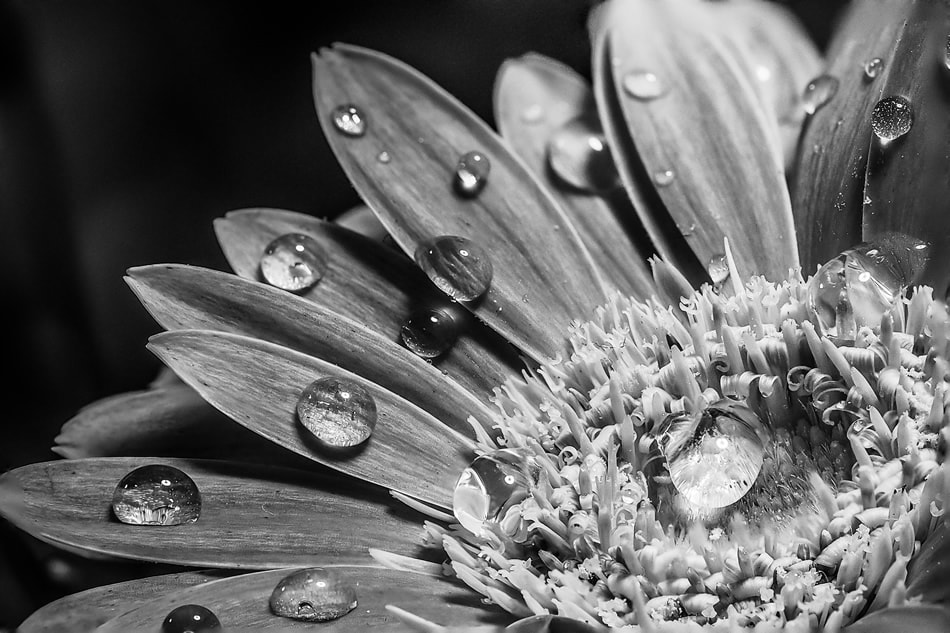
(126, 127)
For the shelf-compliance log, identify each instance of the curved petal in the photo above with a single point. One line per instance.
(258, 385)
(612, 232)
(361, 219)
(543, 275)
(67, 503)
(552, 624)
(928, 574)
(919, 619)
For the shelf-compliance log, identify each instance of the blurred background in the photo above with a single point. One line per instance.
(126, 128)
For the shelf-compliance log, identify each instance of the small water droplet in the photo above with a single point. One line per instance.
(643, 85)
(313, 595)
(339, 412)
(892, 118)
(867, 199)
(664, 177)
(491, 485)
(580, 157)
(714, 456)
(383, 157)
(471, 173)
(429, 333)
(763, 73)
(348, 120)
(524, 298)
(156, 495)
(862, 284)
(456, 265)
(534, 113)
(873, 68)
(190, 618)
(718, 269)
(818, 92)
(293, 262)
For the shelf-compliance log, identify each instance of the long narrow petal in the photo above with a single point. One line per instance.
(543, 276)
(919, 619)
(362, 220)
(258, 385)
(192, 298)
(928, 575)
(67, 503)
(375, 285)
(535, 96)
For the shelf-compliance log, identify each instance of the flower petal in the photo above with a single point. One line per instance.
(612, 232)
(928, 574)
(241, 602)
(708, 128)
(543, 275)
(552, 624)
(361, 219)
(67, 503)
(920, 619)
(375, 284)
(193, 298)
(258, 385)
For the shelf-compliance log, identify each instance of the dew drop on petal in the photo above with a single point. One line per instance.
(579, 156)
(293, 262)
(718, 269)
(339, 412)
(492, 484)
(892, 118)
(456, 265)
(818, 92)
(873, 68)
(643, 85)
(714, 456)
(429, 333)
(348, 120)
(156, 495)
(384, 157)
(664, 177)
(471, 174)
(190, 618)
(313, 595)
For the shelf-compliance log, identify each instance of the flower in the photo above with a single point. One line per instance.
(764, 451)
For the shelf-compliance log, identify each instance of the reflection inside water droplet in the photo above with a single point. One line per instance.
(293, 262)
(818, 92)
(892, 118)
(471, 173)
(348, 120)
(156, 495)
(313, 595)
(456, 265)
(339, 412)
(579, 156)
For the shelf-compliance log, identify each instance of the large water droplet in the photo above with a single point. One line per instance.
(293, 262)
(714, 456)
(348, 120)
(156, 495)
(190, 618)
(892, 118)
(429, 333)
(579, 155)
(339, 412)
(471, 173)
(818, 92)
(873, 68)
(457, 266)
(718, 269)
(313, 595)
(643, 84)
(492, 484)
(862, 284)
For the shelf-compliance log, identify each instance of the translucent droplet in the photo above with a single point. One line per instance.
(190, 618)
(313, 595)
(579, 155)
(156, 495)
(293, 262)
(718, 269)
(859, 286)
(664, 177)
(873, 68)
(471, 173)
(946, 54)
(348, 120)
(491, 485)
(714, 456)
(534, 113)
(818, 92)
(892, 118)
(384, 157)
(643, 84)
(429, 333)
(457, 266)
(339, 412)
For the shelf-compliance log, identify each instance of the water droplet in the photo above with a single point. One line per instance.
(818, 92)
(293, 262)
(492, 484)
(873, 68)
(579, 155)
(892, 118)
(339, 412)
(384, 157)
(946, 54)
(457, 266)
(867, 199)
(348, 120)
(763, 73)
(714, 456)
(643, 84)
(718, 269)
(156, 495)
(862, 284)
(664, 177)
(532, 114)
(313, 595)
(190, 618)
(429, 333)
(471, 173)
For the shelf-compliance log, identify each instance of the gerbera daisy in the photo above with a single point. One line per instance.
(583, 438)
